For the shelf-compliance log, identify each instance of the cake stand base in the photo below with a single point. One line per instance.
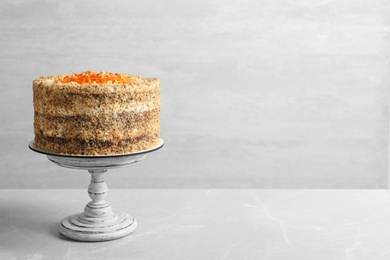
(78, 227)
(98, 222)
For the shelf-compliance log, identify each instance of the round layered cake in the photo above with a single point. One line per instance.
(96, 113)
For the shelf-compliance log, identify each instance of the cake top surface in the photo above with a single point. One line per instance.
(91, 82)
(94, 78)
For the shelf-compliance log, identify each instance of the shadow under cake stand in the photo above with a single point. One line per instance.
(98, 222)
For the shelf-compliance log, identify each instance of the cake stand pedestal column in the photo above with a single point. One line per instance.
(98, 222)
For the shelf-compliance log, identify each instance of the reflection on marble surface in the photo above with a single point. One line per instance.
(205, 224)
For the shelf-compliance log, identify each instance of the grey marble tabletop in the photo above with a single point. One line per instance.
(205, 224)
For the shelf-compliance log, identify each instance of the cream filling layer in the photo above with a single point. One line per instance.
(79, 109)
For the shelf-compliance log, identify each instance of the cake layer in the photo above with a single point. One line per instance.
(57, 101)
(110, 126)
(79, 146)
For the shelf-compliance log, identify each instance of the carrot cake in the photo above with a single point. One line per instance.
(96, 113)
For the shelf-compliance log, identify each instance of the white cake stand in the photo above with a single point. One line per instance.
(98, 222)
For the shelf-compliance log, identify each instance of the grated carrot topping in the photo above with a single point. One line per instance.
(90, 77)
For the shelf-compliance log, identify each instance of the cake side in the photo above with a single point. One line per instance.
(96, 119)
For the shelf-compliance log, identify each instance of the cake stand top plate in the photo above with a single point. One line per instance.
(95, 162)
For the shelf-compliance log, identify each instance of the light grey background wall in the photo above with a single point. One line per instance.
(255, 94)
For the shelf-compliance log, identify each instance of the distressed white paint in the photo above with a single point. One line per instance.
(98, 222)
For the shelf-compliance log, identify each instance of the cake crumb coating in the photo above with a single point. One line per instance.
(96, 118)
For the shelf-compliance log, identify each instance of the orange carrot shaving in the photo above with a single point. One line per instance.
(90, 77)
